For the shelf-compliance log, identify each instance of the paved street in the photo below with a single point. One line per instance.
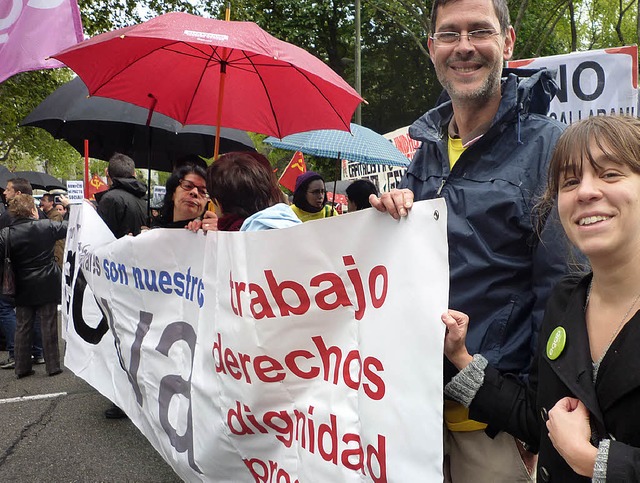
(66, 438)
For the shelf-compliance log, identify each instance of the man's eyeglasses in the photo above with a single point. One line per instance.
(475, 37)
(317, 192)
(187, 185)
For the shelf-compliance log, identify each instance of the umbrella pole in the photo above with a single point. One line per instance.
(86, 168)
(154, 101)
(335, 183)
(223, 76)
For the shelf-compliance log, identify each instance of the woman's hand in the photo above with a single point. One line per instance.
(208, 223)
(397, 202)
(454, 338)
(64, 200)
(570, 433)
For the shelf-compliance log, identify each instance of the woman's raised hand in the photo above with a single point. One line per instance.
(454, 338)
(209, 222)
(570, 433)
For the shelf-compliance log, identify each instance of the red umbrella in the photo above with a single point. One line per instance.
(214, 72)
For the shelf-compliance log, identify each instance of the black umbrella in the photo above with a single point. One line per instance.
(4, 176)
(38, 180)
(115, 126)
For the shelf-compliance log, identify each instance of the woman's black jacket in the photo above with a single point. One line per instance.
(31, 243)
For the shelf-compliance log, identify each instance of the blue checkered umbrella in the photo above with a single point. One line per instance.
(361, 145)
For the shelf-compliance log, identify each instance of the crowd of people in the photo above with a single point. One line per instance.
(543, 227)
(237, 192)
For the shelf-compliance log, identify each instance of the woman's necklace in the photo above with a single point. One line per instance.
(615, 332)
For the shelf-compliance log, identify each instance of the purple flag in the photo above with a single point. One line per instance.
(32, 30)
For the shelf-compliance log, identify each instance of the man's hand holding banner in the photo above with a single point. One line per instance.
(312, 353)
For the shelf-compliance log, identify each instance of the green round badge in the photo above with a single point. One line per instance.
(556, 342)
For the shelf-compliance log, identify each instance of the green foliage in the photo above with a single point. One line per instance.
(398, 80)
(27, 148)
(534, 34)
(323, 28)
(546, 27)
(610, 24)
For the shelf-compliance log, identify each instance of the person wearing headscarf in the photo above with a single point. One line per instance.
(310, 198)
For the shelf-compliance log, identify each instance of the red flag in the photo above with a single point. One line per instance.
(96, 185)
(294, 169)
(32, 31)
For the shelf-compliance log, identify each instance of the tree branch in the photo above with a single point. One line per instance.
(554, 16)
(521, 12)
(403, 26)
(552, 28)
(623, 11)
(10, 147)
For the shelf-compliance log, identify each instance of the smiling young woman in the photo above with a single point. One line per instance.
(598, 186)
(579, 407)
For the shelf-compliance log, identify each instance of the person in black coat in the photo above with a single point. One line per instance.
(579, 409)
(38, 277)
(123, 207)
(16, 186)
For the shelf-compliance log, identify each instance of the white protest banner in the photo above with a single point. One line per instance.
(384, 177)
(287, 355)
(158, 195)
(591, 83)
(75, 191)
(401, 140)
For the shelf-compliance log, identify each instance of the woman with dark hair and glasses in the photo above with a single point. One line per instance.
(310, 198)
(186, 197)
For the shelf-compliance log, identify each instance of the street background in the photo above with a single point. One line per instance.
(67, 438)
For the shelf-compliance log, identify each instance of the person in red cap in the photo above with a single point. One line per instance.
(310, 198)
